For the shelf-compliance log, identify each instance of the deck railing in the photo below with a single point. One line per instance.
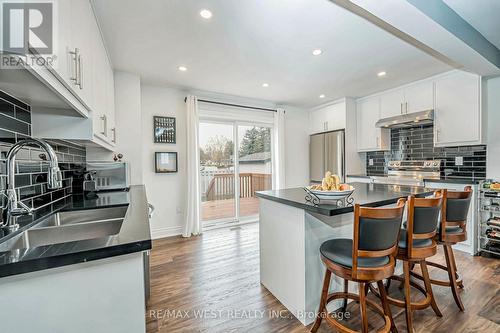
(221, 186)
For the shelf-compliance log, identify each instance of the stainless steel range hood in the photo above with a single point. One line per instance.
(407, 120)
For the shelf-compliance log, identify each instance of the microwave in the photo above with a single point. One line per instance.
(109, 175)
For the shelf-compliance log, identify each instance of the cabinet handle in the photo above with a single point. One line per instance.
(104, 124)
(406, 107)
(114, 134)
(75, 56)
(401, 108)
(378, 142)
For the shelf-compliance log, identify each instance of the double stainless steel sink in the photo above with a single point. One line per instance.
(70, 226)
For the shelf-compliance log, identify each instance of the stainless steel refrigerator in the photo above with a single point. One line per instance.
(326, 153)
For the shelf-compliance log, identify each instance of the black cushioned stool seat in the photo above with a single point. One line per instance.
(340, 251)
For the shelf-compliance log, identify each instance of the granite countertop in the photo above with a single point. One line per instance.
(451, 180)
(369, 195)
(134, 235)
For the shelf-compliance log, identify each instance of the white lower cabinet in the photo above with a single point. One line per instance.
(469, 245)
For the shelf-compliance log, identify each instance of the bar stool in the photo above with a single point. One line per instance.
(416, 243)
(367, 258)
(452, 230)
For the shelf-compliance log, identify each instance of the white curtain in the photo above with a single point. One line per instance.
(192, 225)
(279, 149)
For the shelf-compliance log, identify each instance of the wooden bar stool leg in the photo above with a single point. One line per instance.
(346, 290)
(324, 295)
(428, 288)
(408, 313)
(385, 305)
(362, 306)
(452, 273)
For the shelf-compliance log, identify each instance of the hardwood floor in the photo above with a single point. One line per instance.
(220, 209)
(218, 273)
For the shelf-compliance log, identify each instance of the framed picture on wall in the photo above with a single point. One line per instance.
(164, 129)
(165, 162)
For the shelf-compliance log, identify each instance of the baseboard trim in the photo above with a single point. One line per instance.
(463, 248)
(166, 232)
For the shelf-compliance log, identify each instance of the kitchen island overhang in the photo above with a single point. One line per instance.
(291, 231)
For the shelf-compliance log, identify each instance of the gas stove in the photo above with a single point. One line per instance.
(411, 172)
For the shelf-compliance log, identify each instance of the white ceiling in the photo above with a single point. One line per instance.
(483, 15)
(249, 42)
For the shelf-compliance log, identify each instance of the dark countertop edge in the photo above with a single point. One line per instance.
(359, 176)
(335, 211)
(454, 181)
(432, 180)
(40, 264)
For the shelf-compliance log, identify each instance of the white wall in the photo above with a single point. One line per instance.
(167, 192)
(296, 147)
(493, 107)
(137, 103)
(128, 125)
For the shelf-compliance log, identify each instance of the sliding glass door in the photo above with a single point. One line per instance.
(254, 166)
(235, 162)
(217, 176)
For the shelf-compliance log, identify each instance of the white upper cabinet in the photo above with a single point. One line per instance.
(65, 65)
(317, 119)
(100, 85)
(82, 34)
(458, 110)
(369, 137)
(86, 71)
(74, 47)
(328, 118)
(110, 103)
(419, 97)
(391, 104)
(413, 98)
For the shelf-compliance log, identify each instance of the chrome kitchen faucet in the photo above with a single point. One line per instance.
(15, 208)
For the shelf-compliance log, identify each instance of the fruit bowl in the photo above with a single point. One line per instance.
(332, 195)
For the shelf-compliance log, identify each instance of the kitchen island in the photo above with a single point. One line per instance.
(291, 231)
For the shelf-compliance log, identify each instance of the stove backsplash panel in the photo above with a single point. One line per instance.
(417, 143)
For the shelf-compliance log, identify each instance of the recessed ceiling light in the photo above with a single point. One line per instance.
(206, 14)
(265, 85)
(381, 74)
(317, 52)
(322, 96)
(182, 68)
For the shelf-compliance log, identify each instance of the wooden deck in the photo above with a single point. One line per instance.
(220, 209)
(214, 278)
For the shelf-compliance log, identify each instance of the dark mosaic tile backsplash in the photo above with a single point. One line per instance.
(417, 143)
(31, 169)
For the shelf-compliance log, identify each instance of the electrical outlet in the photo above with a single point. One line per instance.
(459, 160)
(370, 161)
